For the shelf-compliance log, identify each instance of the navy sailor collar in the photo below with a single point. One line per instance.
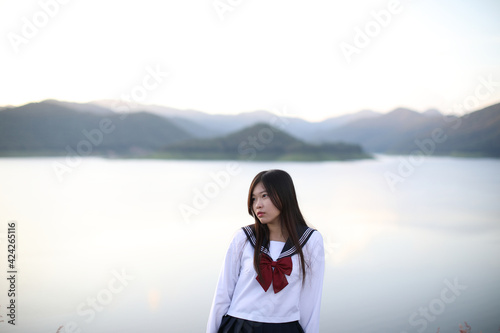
(304, 233)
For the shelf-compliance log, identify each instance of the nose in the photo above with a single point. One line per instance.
(258, 203)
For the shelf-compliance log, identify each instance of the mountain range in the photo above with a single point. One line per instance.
(54, 127)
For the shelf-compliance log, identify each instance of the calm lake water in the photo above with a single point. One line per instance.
(136, 245)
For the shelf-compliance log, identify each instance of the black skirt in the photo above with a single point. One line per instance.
(237, 325)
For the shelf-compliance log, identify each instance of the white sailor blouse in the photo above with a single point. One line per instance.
(241, 294)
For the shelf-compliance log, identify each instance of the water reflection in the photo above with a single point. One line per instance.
(388, 253)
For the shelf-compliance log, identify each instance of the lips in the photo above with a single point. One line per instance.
(259, 214)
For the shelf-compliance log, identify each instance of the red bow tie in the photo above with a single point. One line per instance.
(277, 276)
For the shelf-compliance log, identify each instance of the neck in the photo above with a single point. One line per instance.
(275, 232)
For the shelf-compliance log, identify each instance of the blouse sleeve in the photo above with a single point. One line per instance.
(310, 299)
(227, 282)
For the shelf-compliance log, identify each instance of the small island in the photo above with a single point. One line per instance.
(260, 142)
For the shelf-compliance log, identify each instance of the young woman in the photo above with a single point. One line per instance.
(272, 276)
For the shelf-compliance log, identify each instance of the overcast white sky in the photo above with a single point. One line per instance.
(253, 54)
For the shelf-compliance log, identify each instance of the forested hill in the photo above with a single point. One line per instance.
(48, 129)
(261, 142)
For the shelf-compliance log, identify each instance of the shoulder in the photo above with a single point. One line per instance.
(307, 235)
(316, 235)
(239, 237)
(239, 234)
(249, 232)
(314, 249)
(237, 244)
(314, 238)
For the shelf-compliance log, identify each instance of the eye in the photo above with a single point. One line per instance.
(264, 195)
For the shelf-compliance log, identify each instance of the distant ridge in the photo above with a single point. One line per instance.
(476, 134)
(81, 107)
(399, 131)
(432, 113)
(383, 133)
(213, 125)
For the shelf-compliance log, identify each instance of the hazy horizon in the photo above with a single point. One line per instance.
(283, 111)
(320, 59)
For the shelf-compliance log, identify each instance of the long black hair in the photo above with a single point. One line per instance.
(279, 186)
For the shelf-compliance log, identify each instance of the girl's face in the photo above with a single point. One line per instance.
(263, 207)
